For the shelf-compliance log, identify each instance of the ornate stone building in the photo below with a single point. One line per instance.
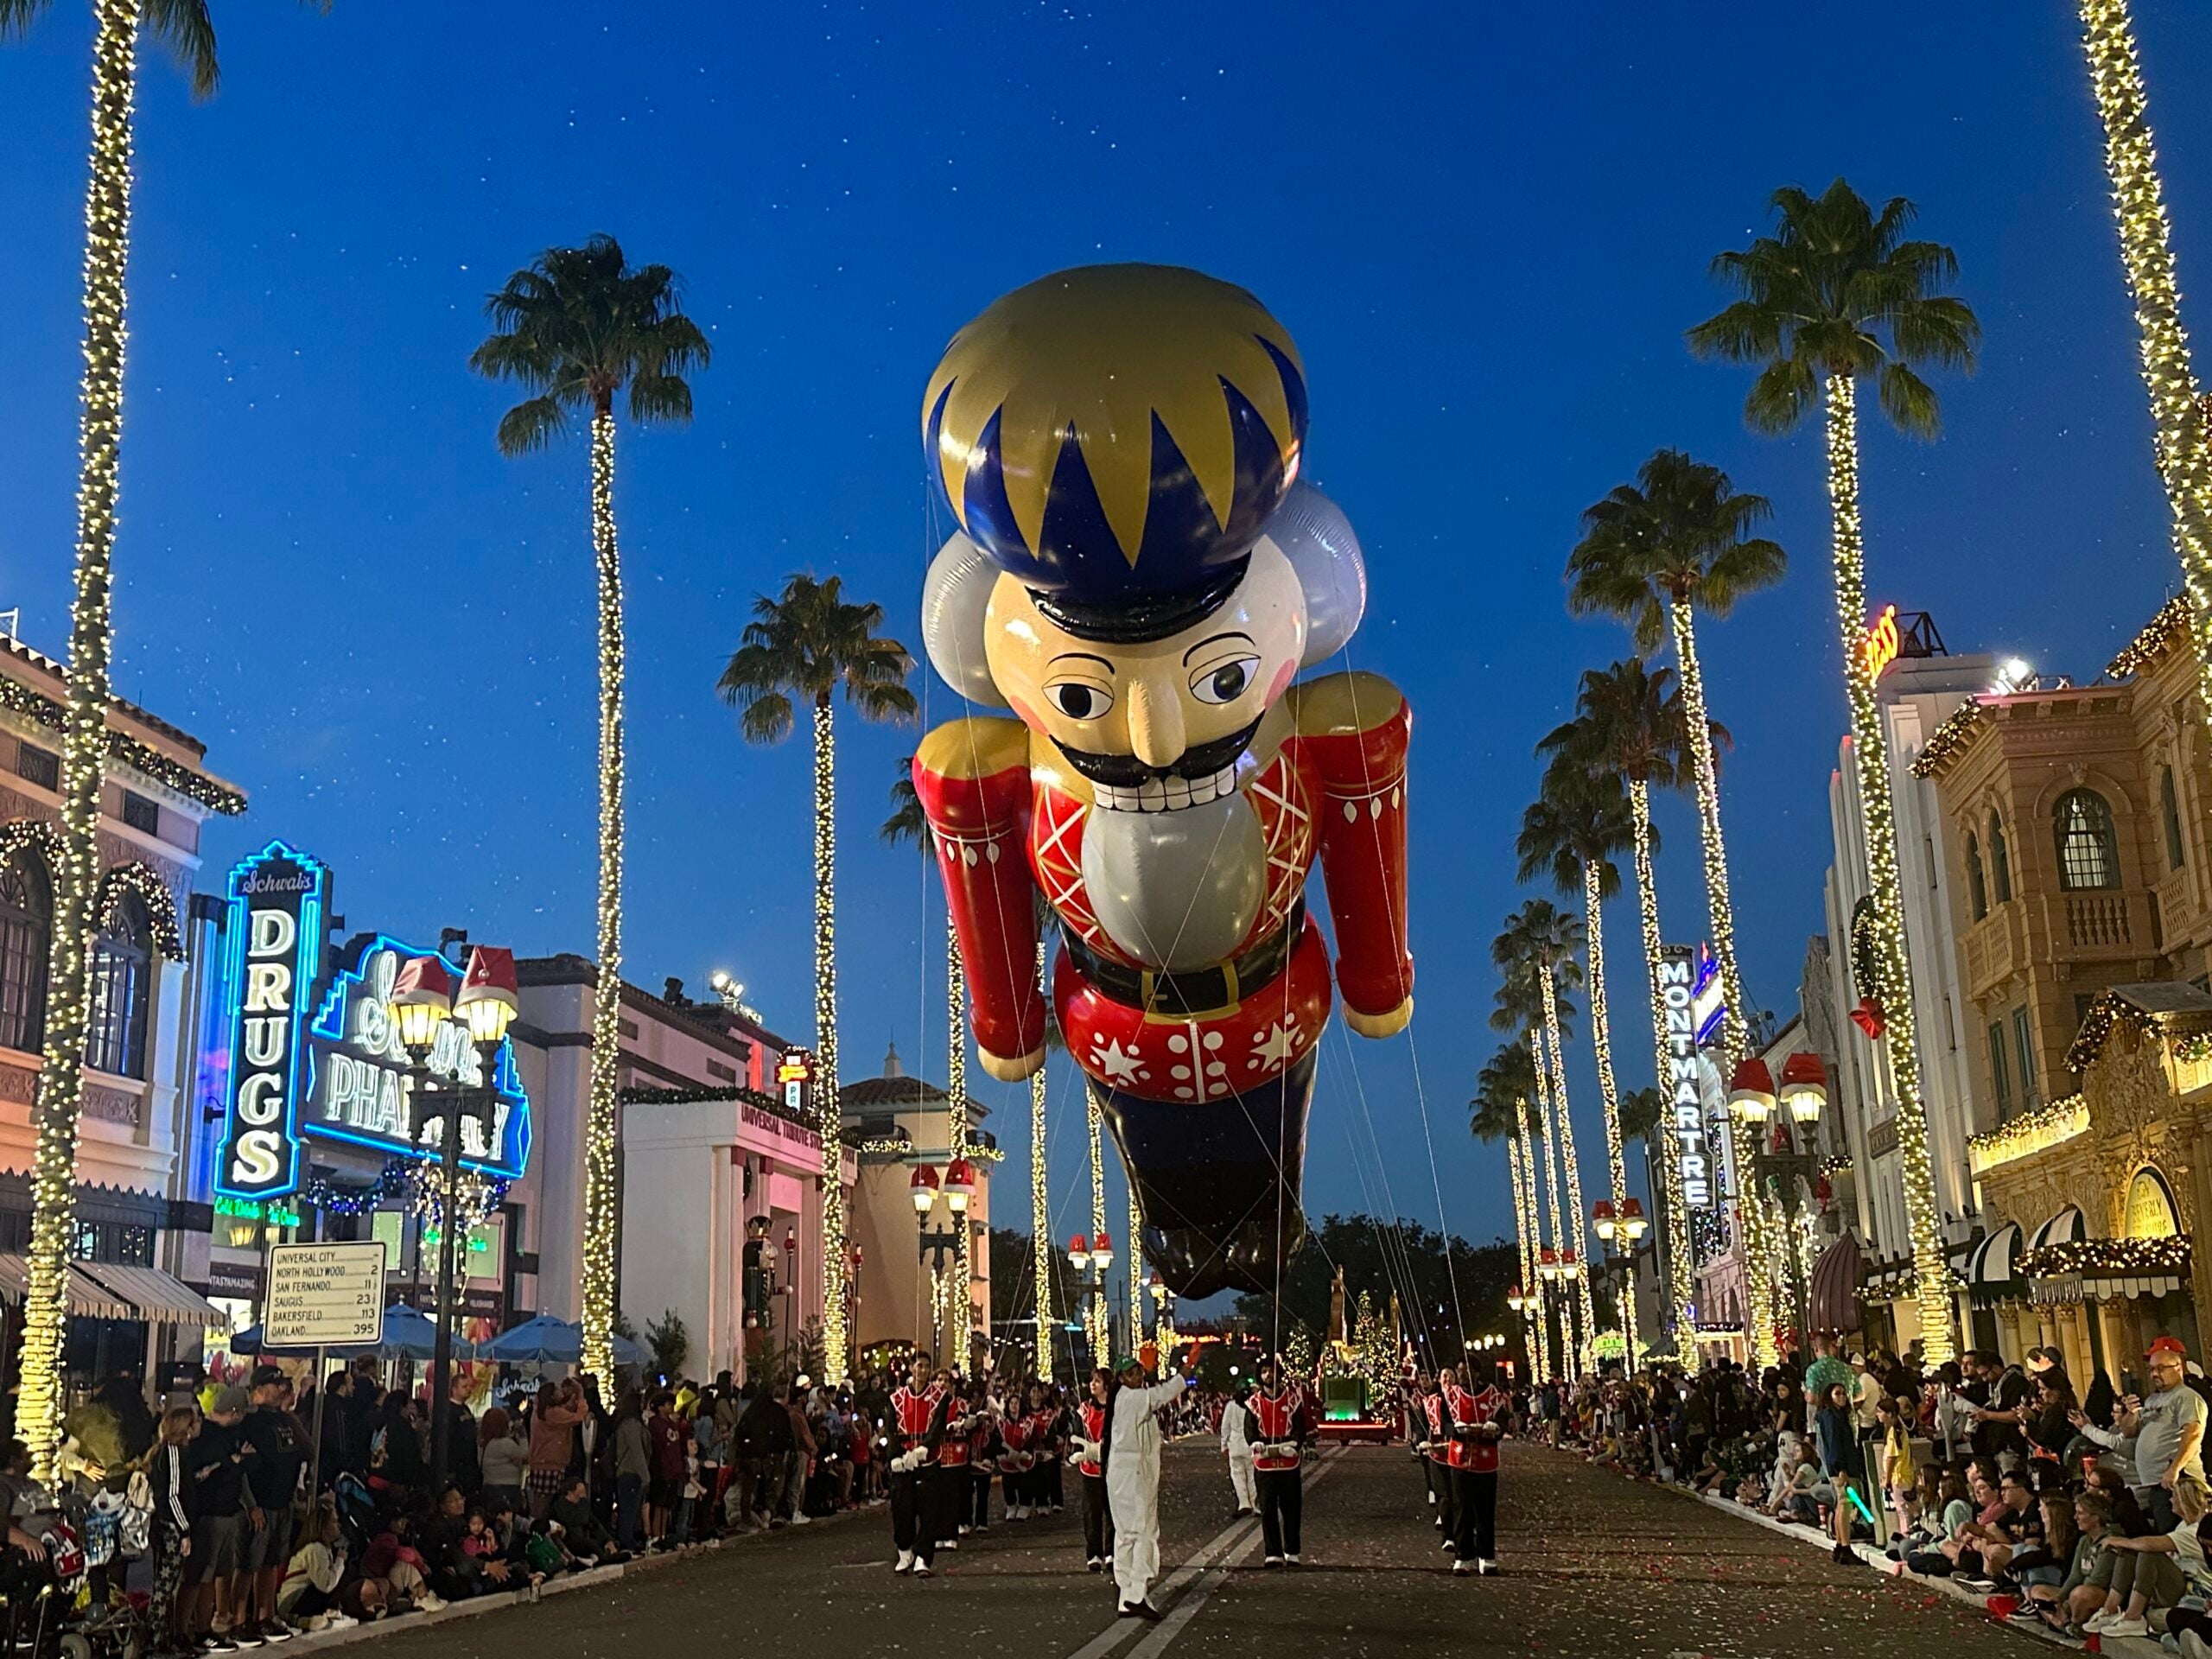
(134, 1237)
(2080, 867)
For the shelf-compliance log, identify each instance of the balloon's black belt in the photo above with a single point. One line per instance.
(1195, 991)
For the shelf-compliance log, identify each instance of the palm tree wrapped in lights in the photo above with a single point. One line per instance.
(1654, 553)
(1839, 293)
(809, 645)
(2179, 412)
(1499, 1111)
(1630, 721)
(575, 327)
(1573, 832)
(187, 29)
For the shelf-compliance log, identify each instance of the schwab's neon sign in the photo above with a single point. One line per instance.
(342, 1074)
(274, 944)
(361, 1091)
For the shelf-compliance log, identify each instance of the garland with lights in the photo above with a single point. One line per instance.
(602, 1131)
(417, 1183)
(2030, 1132)
(1136, 1259)
(1878, 819)
(2106, 1014)
(2173, 623)
(1581, 1217)
(2107, 1256)
(84, 748)
(2177, 415)
(1680, 1286)
(1040, 1203)
(956, 1124)
(1949, 738)
(1754, 1247)
(1609, 1091)
(153, 892)
(2194, 1049)
(121, 748)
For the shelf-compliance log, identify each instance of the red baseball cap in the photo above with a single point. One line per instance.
(2166, 1345)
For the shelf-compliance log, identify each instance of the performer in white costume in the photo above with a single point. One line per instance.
(1133, 1482)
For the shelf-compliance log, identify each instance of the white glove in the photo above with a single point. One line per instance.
(1084, 1451)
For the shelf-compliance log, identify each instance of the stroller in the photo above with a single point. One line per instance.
(67, 1604)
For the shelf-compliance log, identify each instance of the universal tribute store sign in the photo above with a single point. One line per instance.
(313, 1053)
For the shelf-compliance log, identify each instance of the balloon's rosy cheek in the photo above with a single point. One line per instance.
(1025, 714)
(1281, 683)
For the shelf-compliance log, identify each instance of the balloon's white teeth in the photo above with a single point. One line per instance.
(1165, 794)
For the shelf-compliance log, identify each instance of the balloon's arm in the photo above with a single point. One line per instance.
(972, 777)
(1353, 731)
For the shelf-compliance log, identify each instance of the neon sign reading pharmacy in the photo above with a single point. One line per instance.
(317, 1057)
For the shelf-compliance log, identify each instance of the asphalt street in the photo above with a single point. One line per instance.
(1593, 1565)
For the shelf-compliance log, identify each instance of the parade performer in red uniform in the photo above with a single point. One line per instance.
(1088, 1452)
(1016, 1461)
(1139, 578)
(1277, 1423)
(914, 1436)
(1437, 1449)
(1477, 1415)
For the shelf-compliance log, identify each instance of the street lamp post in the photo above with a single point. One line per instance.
(934, 1245)
(1780, 1170)
(423, 1004)
(1091, 1258)
(1620, 1230)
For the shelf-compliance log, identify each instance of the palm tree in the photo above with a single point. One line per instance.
(184, 27)
(574, 328)
(1573, 832)
(1503, 1091)
(1654, 553)
(1837, 292)
(1630, 721)
(1537, 949)
(809, 645)
(2177, 411)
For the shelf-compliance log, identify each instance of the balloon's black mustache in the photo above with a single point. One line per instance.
(1127, 772)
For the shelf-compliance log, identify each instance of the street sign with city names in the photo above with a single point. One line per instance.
(325, 1295)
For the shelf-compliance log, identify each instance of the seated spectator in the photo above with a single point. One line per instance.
(309, 1596)
(2017, 1526)
(582, 1534)
(399, 1569)
(2081, 1592)
(2156, 1570)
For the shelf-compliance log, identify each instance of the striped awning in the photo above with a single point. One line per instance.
(159, 1297)
(1993, 1272)
(88, 1299)
(2068, 1226)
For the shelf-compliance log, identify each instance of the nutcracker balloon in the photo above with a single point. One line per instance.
(1138, 577)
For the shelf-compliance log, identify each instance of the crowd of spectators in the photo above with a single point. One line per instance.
(2080, 1510)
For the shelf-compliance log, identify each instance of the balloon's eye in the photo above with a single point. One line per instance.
(1223, 682)
(1080, 699)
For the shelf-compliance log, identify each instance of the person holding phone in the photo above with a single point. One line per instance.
(2167, 1427)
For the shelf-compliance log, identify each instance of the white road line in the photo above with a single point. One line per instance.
(1188, 1609)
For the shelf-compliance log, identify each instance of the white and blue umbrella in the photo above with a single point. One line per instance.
(548, 1341)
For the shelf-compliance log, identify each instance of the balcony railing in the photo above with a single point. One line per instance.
(2101, 923)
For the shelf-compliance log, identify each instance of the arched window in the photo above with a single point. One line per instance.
(2169, 807)
(2001, 860)
(1977, 888)
(26, 927)
(123, 983)
(2088, 851)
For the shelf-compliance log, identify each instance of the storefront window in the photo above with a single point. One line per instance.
(123, 966)
(2088, 851)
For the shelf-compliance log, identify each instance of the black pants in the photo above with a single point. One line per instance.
(1474, 1513)
(978, 1514)
(915, 1511)
(1097, 1521)
(1282, 1496)
(1440, 1481)
(1052, 1489)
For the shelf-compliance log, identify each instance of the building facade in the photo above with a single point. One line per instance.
(1916, 693)
(136, 1231)
(2075, 834)
(908, 1292)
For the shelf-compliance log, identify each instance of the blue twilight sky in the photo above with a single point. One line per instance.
(1486, 227)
